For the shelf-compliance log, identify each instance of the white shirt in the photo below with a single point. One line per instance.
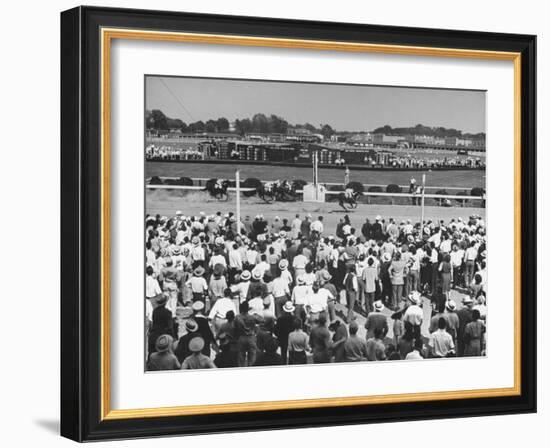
(235, 260)
(287, 276)
(414, 315)
(471, 254)
(221, 307)
(299, 262)
(251, 256)
(457, 257)
(152, 287)
(256, 306)
(317, 226)
(242, 289)
(197, 253)
(309, 279)
(280, 287)
(197, 284)
(262, 267)
(436, 239)
(318, 301)
(414, 355)
(300, 295)
(296, 226)
(415, 266)
(217, 259)
(445, 246)
(441, 343)
(150, 257)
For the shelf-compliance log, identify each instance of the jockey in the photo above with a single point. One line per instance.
(285, 185)
(219, 184)
(348, 193)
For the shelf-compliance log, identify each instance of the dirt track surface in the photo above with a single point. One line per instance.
(166, 203)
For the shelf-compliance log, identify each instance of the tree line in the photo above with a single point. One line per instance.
(259, 123)
(273, 124)
(420, 129)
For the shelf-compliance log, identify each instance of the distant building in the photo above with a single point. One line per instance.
(294, 131)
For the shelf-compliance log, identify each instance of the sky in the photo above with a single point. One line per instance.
(344, 107)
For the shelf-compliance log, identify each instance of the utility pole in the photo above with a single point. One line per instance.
(422, 202)
(315, 155)
(238, 204)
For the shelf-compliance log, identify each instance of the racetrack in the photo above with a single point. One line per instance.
(167, 202)
(466, 179)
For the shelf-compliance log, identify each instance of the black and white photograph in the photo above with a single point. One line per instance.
(292, 223)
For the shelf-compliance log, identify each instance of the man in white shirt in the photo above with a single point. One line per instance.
(197, 252)
(370, 278)
(457, 257)
(317, 225)
(235, 260)
(441, 342)
(152, 287)
(414, 314)
(219, 311)
(217, 258)
(299, 264)
(242, 287)
(281, 293)
(469, 263)
(150, 256)
(295, 226)
(318, 302)
(435, 238)
(445, 246)
(300, 296)
(417, 351)
(285, 273)
(198, 284)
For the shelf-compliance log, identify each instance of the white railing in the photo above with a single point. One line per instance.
(205, 179)
(367, 193)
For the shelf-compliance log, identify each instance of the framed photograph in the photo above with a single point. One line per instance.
(277, 224)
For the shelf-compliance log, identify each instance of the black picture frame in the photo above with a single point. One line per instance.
(81, 223)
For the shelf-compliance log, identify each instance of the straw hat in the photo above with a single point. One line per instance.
(198, 271)
(414, 297)
(191, 326)
(289, 307)
(450, 305)
(245, 275)
(283, 264)
(198, 305)
(163, 343)
(196, 344)
(378, 305)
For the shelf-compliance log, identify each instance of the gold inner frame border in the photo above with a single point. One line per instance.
(107, 35)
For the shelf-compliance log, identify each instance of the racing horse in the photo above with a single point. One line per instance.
(217, 188)
(268, 191)
(349, 198)
(286, 191)
(277, 191)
